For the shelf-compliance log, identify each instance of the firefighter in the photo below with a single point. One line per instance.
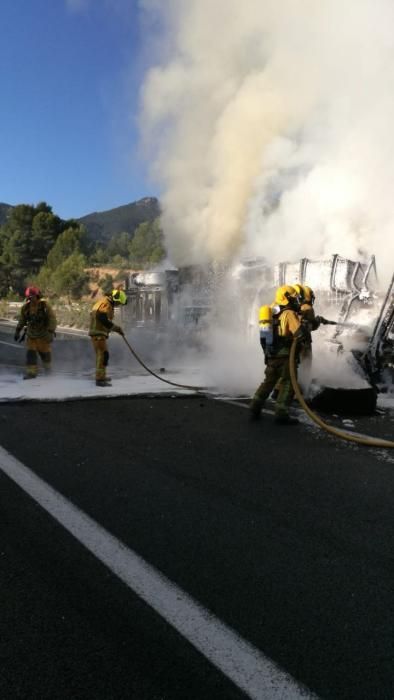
(307, 312)
(38, 322)
(285, 325)
(101, 325)
(309, 320)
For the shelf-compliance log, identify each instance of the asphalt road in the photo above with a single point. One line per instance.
(72, 350)
(283, 533)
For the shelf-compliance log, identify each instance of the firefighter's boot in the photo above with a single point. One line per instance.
(103, 382)
(255, 407)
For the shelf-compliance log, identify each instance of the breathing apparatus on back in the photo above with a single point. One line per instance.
(269, 319)
(268, 325)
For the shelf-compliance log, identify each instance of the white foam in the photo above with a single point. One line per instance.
(61, 388)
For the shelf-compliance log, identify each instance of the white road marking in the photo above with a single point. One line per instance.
(13, 345)
(245, 665)
(243, 405)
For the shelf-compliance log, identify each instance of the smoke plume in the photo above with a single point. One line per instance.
(270, 127)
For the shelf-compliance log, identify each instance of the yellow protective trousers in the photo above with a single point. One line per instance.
(41, 347)
(99, 343)
(277, 372)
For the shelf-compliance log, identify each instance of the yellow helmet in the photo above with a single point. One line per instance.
(119, 296)
(305, 293)
(286, 295)
(309, 296)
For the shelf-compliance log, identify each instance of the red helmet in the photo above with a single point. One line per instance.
(32, 292)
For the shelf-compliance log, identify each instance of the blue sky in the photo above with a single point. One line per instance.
(70, 77)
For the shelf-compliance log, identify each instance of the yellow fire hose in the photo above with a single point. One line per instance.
(370, 441)
(167, 381)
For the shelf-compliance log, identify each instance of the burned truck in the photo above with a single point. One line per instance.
(175, 301)
(378, 357)
(151, 298)
(184, 302)
(348, 291)
(341, 284)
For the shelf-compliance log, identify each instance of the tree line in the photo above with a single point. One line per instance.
(37, 246)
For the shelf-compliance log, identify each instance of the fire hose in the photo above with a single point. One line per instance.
(370, 441)
(361, 440)
(167, 381)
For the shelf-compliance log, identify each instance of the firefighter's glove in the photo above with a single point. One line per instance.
(20, 338)
(117, 329)
(50, 336)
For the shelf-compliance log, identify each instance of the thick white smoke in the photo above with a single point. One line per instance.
(270, 127)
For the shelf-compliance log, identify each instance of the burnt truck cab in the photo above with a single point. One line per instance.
(151, 295)
(170, 301)
(348, 292)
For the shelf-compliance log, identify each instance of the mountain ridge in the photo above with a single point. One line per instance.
(102, 225)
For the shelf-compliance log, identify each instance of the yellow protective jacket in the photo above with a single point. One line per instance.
(289, 324)
(308, 317)
(38, 317)
(101, 317)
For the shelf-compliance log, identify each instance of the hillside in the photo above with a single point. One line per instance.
(4, 208)
(101, 226)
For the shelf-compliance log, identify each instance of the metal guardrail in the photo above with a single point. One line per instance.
(10, 325)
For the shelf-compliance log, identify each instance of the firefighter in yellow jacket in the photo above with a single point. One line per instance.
(286, 325)
(307, 312)
(38, 322)
(309, 320)
(101, 325)
(308, 317)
